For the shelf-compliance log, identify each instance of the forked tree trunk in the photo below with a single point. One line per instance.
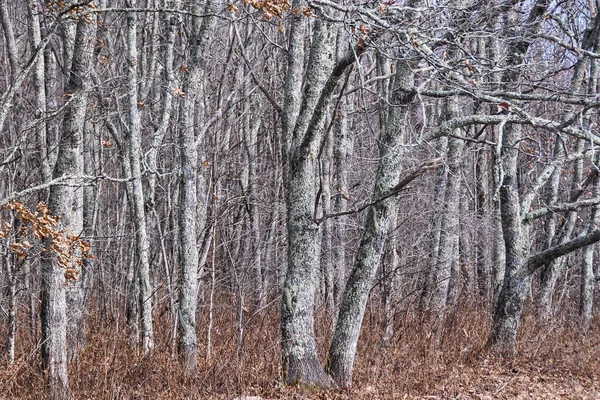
(65, 201)
(299, 350)
(588, 279)
(552, 271)
(519, 264)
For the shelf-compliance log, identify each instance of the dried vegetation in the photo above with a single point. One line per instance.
(553, 362)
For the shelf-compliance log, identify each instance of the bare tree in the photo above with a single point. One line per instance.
(188, 142)
(61, 302)
(134, 138)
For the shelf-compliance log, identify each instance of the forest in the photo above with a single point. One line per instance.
(299, 199)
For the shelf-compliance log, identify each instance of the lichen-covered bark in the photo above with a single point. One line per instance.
(552, 271)
(509, 307)
(188, 298)
(61, 301)
(9, 37)
(508, 310)
(588, 279)
(588, 282)
(39, 84)
(151, 155)
(343, 143)
(12, 308)
(449, 226)
(391, 283)
(252, 126)
(300, 360)
(327, 266)
(139, 213)
(379, 216)
(428, 280)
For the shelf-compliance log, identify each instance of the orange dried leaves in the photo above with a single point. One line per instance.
(270, 8)
(70, 250)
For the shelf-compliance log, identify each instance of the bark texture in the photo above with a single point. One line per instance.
(188, 139)
(61, 308)
(300, 360)
(139, 212)
(379, 217)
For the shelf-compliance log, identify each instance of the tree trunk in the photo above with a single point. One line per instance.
(188, 141)
(61, 309)
(508, 310)
(39, 84)
(588, 280)
(379, 216)
(251, 129)
(12, 309)
(391, 277)
(300, 360)
(342, 151)
(9, 36)
(139, 214)
(449, 228)
(552, 271)
(327, 266)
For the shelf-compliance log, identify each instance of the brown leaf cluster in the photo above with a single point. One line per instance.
(270, 8)
(43, 227)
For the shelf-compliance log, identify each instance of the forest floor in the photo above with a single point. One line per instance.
(556, 362)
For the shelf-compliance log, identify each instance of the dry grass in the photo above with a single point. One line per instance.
(556, 362)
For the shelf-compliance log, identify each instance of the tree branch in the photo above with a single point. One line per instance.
(66, 180)
(560, 207)
(431, 165)
(544, 257)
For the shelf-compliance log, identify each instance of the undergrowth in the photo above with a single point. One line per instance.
(554, 361)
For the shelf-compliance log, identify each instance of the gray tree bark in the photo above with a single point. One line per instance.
(60, 308)
(300, 359)
(134, 137)
(12, 308)
(379, 216)
(172, 25)
(251, 128)
(327, 266)
(516, 285)
(9, 36)
(188, 142)
(551, 272)
(391, 283)
(39, 83)
(342, 151)
(519, 264)
(449, 227)
(588, 279)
